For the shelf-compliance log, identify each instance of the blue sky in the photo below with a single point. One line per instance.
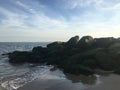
(51, 20)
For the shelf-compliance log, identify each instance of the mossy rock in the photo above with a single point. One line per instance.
(39, 50)
(114, 45)
(106, 61)
(72, 41)
(117, 71)
(91, 63)
(75, 56)
(85, 41)
(55, 44)
(19, 57)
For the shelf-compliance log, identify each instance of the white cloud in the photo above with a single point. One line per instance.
(47, 23)
(115, 7)
(98, 4)
(37, 26)
(25, 6)
(73, 4)
(40, 20)
(11, 18)
(36, 20)
(6, 12)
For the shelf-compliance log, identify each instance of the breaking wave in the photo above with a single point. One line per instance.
(15, 82)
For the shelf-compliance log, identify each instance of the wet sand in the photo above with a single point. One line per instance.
(1, 88)
(111, 82)
(50, 85)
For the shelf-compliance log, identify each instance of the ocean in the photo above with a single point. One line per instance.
(30, 77)
(15, 76)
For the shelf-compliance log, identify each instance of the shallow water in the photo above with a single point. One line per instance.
(111, 82)
(36, 77)
(12, 74)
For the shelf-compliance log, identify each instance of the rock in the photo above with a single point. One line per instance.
(19, 57)
(104, 42)
(73, 41)
(75, 56)
(39, 50)
(85, 41)
(107, 60)
(55, 44)
(117, 71)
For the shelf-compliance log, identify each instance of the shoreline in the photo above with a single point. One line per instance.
(51, 85)
(102, 82)
(110, 82)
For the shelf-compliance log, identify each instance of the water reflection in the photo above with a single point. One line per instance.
(91, 79)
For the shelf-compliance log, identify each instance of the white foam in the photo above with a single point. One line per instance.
(20, 81)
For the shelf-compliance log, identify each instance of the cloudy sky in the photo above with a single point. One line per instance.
(51, 20)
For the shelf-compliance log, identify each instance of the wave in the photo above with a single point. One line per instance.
(15, 82)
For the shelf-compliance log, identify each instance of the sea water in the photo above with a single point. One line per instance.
(16, 76)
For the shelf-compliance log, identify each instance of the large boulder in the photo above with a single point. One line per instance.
(75, 56)
(55, 44)
(72, 41)
(104, 42)
(39, 50)
(86, 41)
(19, 57)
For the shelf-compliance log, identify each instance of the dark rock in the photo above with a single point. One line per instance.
(75, 56)
(85, 42)
(40, 50)
(104, 42)
(25, 57)
(19, 57)
(55, 44)
(73, 41)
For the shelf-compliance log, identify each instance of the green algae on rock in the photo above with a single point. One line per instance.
(75, 56)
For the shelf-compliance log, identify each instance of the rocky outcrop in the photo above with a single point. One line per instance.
(55, 44)
(75, 56)
(102, 42)
(86, 42)
(73, 41)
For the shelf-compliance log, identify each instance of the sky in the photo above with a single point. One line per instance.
(58, 20)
